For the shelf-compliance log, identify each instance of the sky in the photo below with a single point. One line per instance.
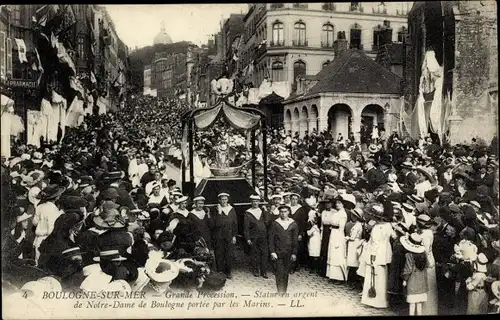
(137, 25)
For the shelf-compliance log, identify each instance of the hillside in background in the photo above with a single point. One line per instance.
(144, 56)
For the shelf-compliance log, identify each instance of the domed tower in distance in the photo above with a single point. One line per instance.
(162, 37)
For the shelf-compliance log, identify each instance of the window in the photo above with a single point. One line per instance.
(300, 34)
(8, 47)
(377, 35)
(300, 5)
(327, 36)
(278, 37)
(16, 14)
(299, 69)
(356, 7)
(277, 69)
(328, 6)
(355, 41)
(81, 47)
(326, 63)
(401, 34)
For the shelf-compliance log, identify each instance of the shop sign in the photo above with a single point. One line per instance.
(30, 84)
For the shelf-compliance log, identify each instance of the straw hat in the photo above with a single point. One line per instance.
(161, 270)
(480, 264)
(33, 178)
(181, 200)
(24, 216)
(373, 148)
(344, 155)
(348, 200)
(424, 220)
(495, 289)
(412, 243)
(109, 255)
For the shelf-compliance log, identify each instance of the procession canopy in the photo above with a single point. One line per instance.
(238, 117)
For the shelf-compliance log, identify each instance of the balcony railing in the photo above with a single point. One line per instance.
(300, 5)
(380, 11)
(277, 6)
(299, 43)
(328, 6)
(278, 43)
(326, 44)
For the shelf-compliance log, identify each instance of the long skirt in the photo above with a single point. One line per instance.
(478, 302)
(430, 307)
(380, 300)
(337, 265)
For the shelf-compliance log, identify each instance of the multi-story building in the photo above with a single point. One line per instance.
(286, 40)
(30, 67)
(232, 32)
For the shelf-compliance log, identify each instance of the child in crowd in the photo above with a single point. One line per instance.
(415, 273)
(314, 245)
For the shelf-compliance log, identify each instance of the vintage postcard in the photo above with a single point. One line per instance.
(249, 160)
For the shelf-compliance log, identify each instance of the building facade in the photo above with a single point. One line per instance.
(286, 40)
(463, 36)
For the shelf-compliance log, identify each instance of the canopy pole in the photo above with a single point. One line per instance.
(183, 164)
(264, 155)
(191, 156)
(253, 158)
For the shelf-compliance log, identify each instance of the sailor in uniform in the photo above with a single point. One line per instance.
(256, 221)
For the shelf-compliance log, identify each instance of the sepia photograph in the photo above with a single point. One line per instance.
(194, 160)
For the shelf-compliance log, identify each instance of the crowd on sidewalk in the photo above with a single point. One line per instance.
(403, 220)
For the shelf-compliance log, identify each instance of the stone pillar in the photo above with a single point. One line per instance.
(295, 127)
(287, 124)
(303, 127)
(454, 125)
(313, 123)
(356, 126)
(323, 124)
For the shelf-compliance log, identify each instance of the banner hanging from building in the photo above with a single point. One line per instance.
(21, 50)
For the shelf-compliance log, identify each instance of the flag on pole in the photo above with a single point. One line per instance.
(21, 49)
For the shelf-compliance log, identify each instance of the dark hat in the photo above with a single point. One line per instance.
(110, 194)
(51, 192)
(113, 176)
(70, 203)
(71, 252)
(86, 181)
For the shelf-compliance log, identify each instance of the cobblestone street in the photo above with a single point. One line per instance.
(344, 300)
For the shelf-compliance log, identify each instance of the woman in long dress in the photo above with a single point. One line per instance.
(336, 268)
(377, 255)
(430, 307)
(326, 219)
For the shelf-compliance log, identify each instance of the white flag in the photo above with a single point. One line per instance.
(21, 49)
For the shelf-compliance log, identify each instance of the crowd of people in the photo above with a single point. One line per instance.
(398, 220)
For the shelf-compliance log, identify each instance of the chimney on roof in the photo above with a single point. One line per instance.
(340, 45)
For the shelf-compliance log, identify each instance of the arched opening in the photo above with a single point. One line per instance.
(299, 69)
(288, 120)
(295, 121)
(327, 35)
(339, 121)
(371, 116)
(355, 37)
(313, 119)
(278, 34)
(304, 122)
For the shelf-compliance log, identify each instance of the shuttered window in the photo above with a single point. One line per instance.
(9, 56)
(3, 58)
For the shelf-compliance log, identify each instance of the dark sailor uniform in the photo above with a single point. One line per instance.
(225, 227)
(283, 240)
(255, 229)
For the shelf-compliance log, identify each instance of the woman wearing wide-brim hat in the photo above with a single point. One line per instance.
(327, 212)
(494, 267)
(424, 223)
(376, 255)
(414, 272)
(336, 261)
(46, 215)
(477, 302)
